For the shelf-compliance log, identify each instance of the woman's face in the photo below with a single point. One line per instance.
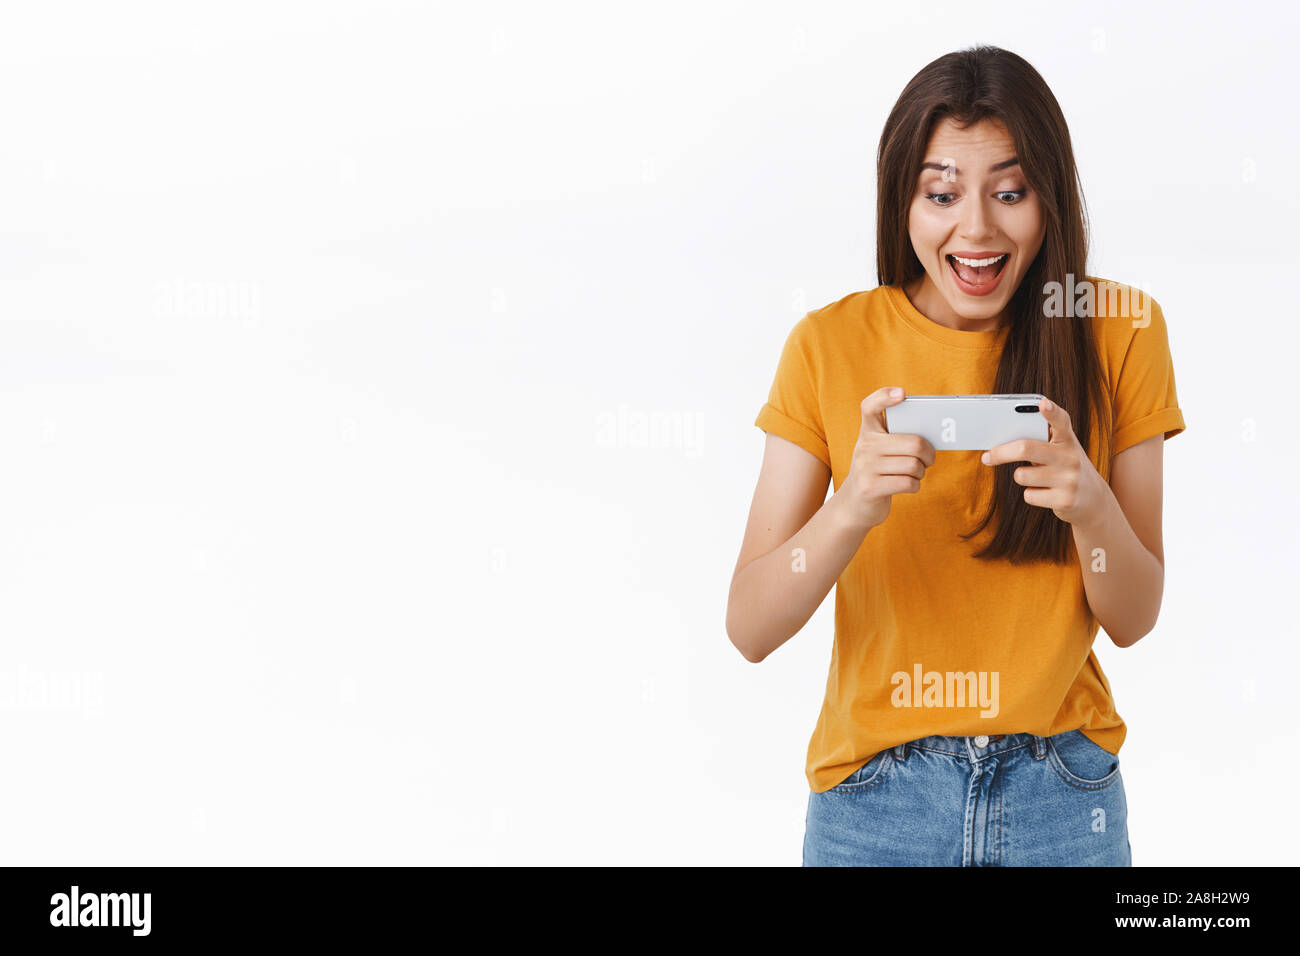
(972, 202)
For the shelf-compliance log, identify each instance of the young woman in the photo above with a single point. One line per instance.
(966, 719)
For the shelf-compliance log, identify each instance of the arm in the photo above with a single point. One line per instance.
(1121, 518)
(769, 599)
(1127, 527)
(796, 546)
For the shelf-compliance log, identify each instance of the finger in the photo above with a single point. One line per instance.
(916, 446)
(1041, 498)
(901, 465)
(1034, 476)
(874, 405)
(1022, 449)
(1060, 431)
(900, 484)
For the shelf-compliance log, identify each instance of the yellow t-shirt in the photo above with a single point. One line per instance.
(1011, 645)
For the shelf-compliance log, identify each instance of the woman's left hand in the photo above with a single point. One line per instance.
(1060, 476)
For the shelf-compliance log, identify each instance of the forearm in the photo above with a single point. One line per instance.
(1124, 582)
(772, 597)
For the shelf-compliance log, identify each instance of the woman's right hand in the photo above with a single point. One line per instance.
(883, 464)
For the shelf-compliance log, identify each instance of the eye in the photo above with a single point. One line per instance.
(934, 197)
(1018, 195)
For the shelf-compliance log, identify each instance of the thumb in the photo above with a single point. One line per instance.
(875, 403)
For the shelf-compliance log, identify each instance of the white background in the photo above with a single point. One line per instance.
(326, 532)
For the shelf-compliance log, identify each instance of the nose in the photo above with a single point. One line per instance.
(974, 221)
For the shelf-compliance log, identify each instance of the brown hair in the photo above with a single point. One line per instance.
(1054, 356)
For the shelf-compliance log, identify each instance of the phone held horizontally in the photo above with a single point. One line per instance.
(968, 422)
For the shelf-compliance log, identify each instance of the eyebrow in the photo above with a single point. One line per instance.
(1005, 164)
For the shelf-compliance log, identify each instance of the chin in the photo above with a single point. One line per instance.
(987, 311)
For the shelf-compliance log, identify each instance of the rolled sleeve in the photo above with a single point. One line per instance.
(793, 407)
(1146, 399)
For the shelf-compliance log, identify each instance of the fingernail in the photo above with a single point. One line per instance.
(895, 392)
(985, 458)
(1047, 405)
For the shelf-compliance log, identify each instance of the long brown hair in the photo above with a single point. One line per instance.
(1054, 356)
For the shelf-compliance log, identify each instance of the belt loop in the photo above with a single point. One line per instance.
(1040, 747)
(900, 752)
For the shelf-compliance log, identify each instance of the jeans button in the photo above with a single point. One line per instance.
(981, 741)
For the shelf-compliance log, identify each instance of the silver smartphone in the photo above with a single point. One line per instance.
(968, 422)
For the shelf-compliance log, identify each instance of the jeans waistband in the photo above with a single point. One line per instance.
(977, 747)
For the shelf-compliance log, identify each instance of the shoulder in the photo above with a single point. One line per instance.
(1133, 348)
(843, 316)
(1120, 313)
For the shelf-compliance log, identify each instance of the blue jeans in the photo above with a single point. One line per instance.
(1003, 800)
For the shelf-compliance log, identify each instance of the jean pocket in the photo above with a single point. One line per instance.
(1080, 762)
(869, 775)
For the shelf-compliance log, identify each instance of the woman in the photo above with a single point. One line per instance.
(966, 719)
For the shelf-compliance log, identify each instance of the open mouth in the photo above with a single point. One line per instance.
(977, 272)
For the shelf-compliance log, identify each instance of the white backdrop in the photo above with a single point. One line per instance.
(330, 530)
